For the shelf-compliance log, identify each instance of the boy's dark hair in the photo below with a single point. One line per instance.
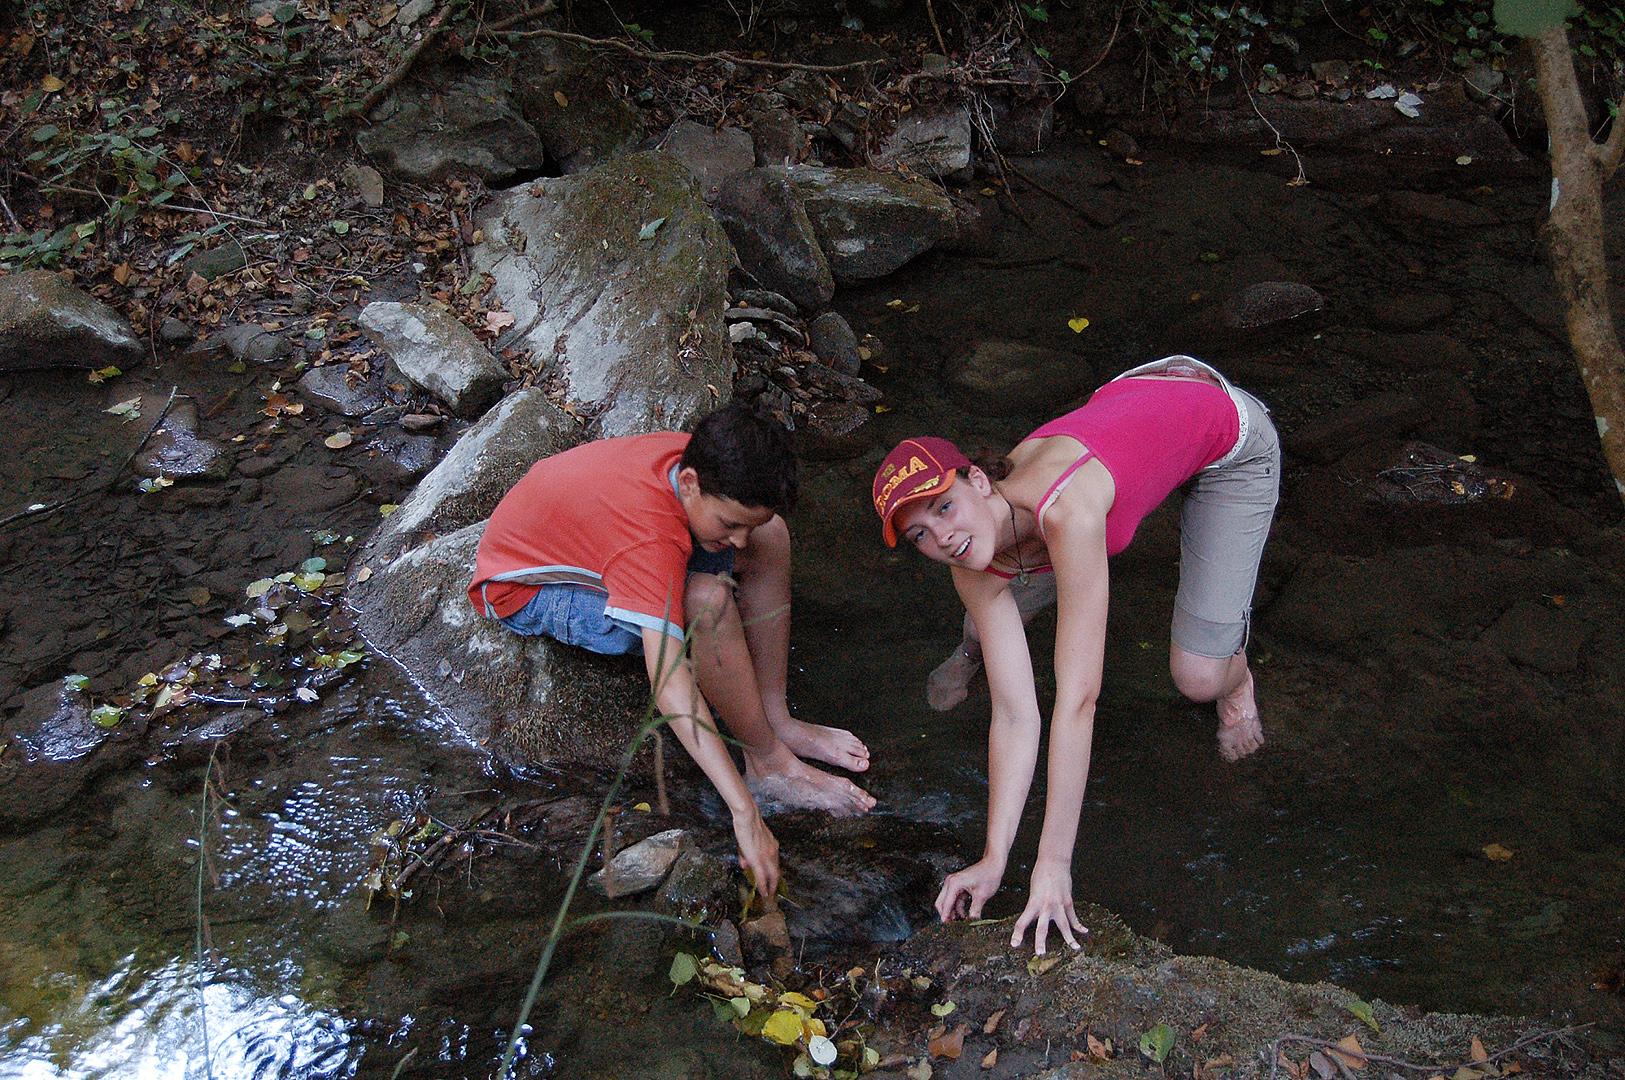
(744, 457)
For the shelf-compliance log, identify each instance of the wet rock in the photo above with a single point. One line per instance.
(835, 430)
(765, 298)
(175, 449)
(930, 141)
(1540, 636)
(46, 322)
(421, 133)
(208, 265)
(774, 238)
(1328, 437)
(310, 489)
(437, 352)
(396, 455)
(365, 181)
(1121, 143)
(173, 331)
(779, 139)
(1269, 304)
(697, 880)
(419, 422)
(833, 342)
(253, 343)
(332, 387)
(1000, 378)
(1405, 352)
(574, 103)
(632, 325)
(712, 155)
(1022, 125)
(870, 222)
(1430, 209)
(52, 749)
(640, 866)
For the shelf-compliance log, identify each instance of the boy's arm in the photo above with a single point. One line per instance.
(678, 698)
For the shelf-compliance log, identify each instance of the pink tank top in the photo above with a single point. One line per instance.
(1152, 433)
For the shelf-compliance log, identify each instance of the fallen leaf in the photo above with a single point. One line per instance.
(683, 969)
(339, 440)
(1477, 1052)
(1497, 853)
(992, 1058)
(920, 1070)
(1156, 1043)
(1350, 1053)
(121, 273)
(558, 96)
(1362, 1011)
(1223, 1061)
(498, 321)
(943, 1008)
(783, 1027)
(1464, 1073)
(1272, 152)
(1198, 1033)
(1098, 1050)
(51, 84)
(992, 1023)
(1078, 324)
(1037, 965)
(1322, 1065)
(949, 1045)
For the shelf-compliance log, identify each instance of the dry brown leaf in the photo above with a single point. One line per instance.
(992, 1058)
(1098, 1050)
(1198, 1033)
(1350, 1053)
(197, 283)
(1477, 1051)
(121, 273)
(1322, 1066)
(264, 21)
(558, 96)
(1497, 853)
(1223, 1061)
(992, 1024)
(948, 1044)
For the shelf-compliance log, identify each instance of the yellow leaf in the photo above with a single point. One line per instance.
(783, 1027)
(1078, 324)
(1497, 853)
(51, 84)
(643, 808)
(1037, 965)
(799, 1001)
(943, 1008)
(558, 96)
(1273, 152)
(339, 440)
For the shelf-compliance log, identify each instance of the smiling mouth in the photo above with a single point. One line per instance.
(962, 549)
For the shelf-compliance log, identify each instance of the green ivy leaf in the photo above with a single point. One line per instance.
(1156, 1043)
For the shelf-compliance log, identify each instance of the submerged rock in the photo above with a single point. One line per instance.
(1001, 378)
(175, 449)
(53, 748)
(46, 322)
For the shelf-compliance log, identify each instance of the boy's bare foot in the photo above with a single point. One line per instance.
(1240, 730)
(832, 746)
(799, 784)
(949, 684)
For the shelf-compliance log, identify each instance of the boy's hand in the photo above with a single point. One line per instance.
(758, 850)
(964, 893)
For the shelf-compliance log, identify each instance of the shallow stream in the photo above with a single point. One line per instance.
(1351, 848)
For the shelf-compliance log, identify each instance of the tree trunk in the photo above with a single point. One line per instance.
(1574, 233)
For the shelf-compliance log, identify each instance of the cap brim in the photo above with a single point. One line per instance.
(889, 532)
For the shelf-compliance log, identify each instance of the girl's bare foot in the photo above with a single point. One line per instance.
(949, 684)
(801, 785)
(832, 746)
(1240, 730)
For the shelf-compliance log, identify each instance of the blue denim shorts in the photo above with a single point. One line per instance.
(574, 614)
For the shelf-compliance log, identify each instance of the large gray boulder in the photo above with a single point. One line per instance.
(713, 155)
(871, 222)
(932, 141)
(617, 279)
(46, 322)
(436, 352)
(773, 236)
(423, 132)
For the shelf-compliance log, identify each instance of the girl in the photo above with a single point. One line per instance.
(1069, 495)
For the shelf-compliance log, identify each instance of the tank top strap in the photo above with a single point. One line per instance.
(1056, 488)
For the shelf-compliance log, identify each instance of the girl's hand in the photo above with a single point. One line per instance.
(971, 886)
(1049, 901)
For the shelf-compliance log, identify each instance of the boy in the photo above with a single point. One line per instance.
(619, 544)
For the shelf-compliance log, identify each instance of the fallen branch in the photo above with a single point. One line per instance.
(691, 58)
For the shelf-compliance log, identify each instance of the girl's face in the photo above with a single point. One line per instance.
(954, 527)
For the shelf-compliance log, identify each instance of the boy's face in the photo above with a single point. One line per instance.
(716, 521)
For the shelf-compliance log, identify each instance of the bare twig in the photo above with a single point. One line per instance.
(1109, 43)
(929, 10)
(1399, 1063)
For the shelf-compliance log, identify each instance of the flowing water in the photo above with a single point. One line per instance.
(1350, 848)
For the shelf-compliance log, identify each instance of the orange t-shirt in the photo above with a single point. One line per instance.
(604, 514)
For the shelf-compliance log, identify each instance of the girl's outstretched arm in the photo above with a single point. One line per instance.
(1012, 740)
(1076, 530)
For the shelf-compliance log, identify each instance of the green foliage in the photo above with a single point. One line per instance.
(1529, 18)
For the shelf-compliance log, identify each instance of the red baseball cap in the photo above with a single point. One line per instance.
(915, 469)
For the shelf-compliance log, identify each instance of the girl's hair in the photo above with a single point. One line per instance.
(990, 461)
